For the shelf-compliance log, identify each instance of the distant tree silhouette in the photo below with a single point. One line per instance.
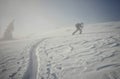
(8, 34)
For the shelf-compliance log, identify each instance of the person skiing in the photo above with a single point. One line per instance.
(79, 27)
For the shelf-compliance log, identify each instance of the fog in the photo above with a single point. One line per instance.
(40, 16)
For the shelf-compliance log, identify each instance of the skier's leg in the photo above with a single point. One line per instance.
(74, 31)
(80, 31)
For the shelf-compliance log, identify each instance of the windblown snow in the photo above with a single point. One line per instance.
(95, 54)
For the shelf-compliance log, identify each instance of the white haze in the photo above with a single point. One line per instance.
(40, 16)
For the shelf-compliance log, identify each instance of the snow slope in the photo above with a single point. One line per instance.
(14, 56)
(95, 54)
(80, 57)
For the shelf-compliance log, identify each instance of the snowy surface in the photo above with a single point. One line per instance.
(95, 54)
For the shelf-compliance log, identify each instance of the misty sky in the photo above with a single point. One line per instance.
(36, 15)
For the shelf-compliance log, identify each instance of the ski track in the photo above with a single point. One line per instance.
(32, 69)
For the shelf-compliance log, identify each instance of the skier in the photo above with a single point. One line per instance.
(79, 27)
